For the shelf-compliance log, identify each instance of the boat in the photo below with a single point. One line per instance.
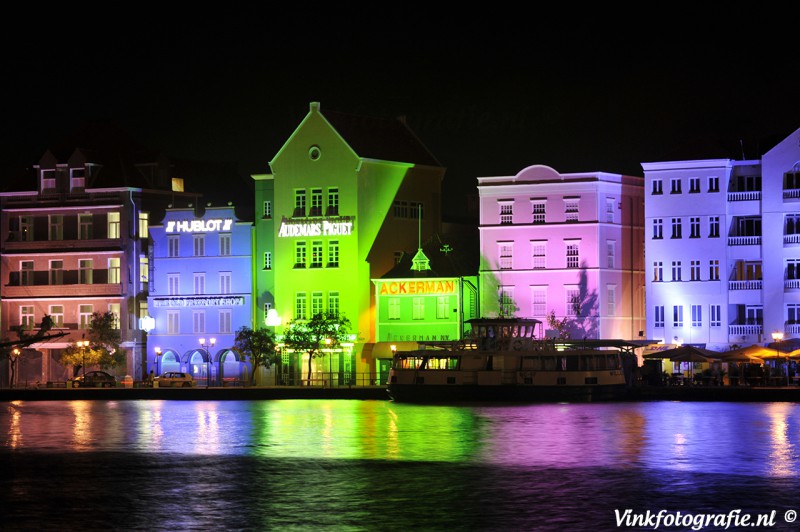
(508, 360)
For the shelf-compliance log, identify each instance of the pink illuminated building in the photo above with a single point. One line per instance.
(566, 245)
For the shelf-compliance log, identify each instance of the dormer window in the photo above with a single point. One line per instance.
(48, 179)
(77, 178)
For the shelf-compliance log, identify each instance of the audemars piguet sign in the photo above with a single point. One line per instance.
(341, 226)
(199, 301)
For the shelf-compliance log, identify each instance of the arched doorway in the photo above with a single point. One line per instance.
(168, 361)
(231, 368)
(198, 363)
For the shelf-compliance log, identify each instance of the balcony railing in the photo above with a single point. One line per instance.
(791, 193)
(744, 330)
(791, 239)
(791, 283)
(744, 240)
(792, 328)
(750, 195)
(745, 285)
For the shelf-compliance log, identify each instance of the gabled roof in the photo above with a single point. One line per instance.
(380, 138)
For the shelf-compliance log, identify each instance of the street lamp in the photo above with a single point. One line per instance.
(158, 358)
(207, 347)
(14, 356)
(328, 343)
(83, 344)
(777, 336)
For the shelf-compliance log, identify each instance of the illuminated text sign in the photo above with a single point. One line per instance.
(417, 287)
(201, 301)
(342, 226)
(199, 226)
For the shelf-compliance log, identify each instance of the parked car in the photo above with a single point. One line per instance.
(94, 379)
(175, 379)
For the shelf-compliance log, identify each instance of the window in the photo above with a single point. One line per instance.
(113, 225)
(658, 228)
(56, 227)
(300, 202)
(573, 256)
(316, 202)
(677, 316)
(225, 244)
(144, 225)
(114, 276)
(316, 254)
(144, 268)
(675, 185)
(694, 270)
(748, 183)
(506, 213)
(316, 303)
(299, 254)
(416, 210)
(713, 183)
(713, 270)
(173, 322)
(333, 254)
(694, 227)
(713, 226)
(57, 315)
(224, 282)
(398, 256)
(333, 303)
(199, 242)
(77, 177)
(85, 226)
(26, 317)
(611, 248)
(611, 300)
(394, 308)
(199, 283)
(676, 270)
(538, 252)
(697, 316)
(267, 212)
(791, 224)
(676, 228)
(507, 305)
(748, 226)
(793, 313)
(418, 308)
(300, 305)
(658, 271)
(573, 302)
(506, 255)
(658, 187)
(142, 309)
(658, 321)
(48, 179)
(26, 272)
(793, 269)
(198, 321)
(442, 307)
(610, 210)
(26, 228)
(754, 314)
(85, 271)
(400, 209)
(539, 301)
(571, 209)
(225, 321)
(333, 202)
(694, 185)
(173, 243)
(267, 260)
(538, 208)
(174, 283)
(716, 316)
(114, 309)
(85, 316)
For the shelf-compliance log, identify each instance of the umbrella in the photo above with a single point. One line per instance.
(685, 353)
(743, 354)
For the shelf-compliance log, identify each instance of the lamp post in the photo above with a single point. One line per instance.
(15, 353)
(207, 347)
(158, 360)
(83, 344)
(777, 336)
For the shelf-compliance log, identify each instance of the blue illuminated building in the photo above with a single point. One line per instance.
(200, 293)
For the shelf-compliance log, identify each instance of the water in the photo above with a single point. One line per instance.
(376, 465)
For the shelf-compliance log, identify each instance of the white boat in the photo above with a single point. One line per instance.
(505, 360)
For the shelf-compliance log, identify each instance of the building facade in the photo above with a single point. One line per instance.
(200, 293)
(349, 194)
(723, 248)
(75, 241)
(567, 246)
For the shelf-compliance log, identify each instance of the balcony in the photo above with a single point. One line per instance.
(744, 240)
(745, 285)
(750, 195)
(791, 283)
(745, 330)
(792, 328)
(791, 239)
(791, 193)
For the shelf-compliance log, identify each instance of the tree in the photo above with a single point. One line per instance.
(103, 350)
(259, 345)
(323, 331)
(561, 326)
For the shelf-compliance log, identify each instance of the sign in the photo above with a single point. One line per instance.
(341, 226)
(199, 226)
(199, 301)
(396, 288)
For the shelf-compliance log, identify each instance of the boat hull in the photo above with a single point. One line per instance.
(433, 393)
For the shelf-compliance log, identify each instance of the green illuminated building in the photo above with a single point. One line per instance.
(347, 195)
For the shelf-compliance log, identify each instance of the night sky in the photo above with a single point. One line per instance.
(488, 96)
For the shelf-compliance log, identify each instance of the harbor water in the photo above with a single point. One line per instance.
(378, 465)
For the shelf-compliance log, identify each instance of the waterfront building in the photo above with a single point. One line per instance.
(348, 195)
(723, 248)
(74, 240)
(200, 293)
(564, 245)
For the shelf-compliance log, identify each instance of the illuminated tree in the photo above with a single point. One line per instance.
(103, 350)
(323, 331)
(259, 345)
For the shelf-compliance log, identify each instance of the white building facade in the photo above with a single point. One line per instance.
(569, 245)
(723, 248)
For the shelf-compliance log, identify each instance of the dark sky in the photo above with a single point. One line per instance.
(488, 96)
